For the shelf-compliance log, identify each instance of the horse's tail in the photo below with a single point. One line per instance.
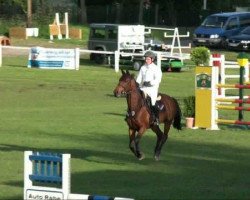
(177, 117)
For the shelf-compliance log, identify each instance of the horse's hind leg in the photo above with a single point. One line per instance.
(164, 138)
(161, 138)
(159, 135)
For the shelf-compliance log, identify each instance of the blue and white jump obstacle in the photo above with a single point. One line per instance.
(47, 176)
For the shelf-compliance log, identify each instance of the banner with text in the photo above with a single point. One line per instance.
(48, 58)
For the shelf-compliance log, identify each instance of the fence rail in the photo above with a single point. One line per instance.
(117, 54)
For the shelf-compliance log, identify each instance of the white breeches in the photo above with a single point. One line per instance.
(152, 92)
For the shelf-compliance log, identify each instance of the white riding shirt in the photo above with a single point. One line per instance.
(153, 74)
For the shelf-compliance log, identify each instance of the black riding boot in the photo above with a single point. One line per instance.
(148, 101)
(155, 110)
(152, 109)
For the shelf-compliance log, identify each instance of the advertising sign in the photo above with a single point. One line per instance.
(203, 80)
(43, 195)
(48, 58)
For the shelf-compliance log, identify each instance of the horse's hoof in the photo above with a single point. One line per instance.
(142, 156)
(157, 158)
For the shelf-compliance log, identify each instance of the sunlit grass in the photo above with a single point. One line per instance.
(75, 112)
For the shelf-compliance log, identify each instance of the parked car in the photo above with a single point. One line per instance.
(240, 41)
(216, 28)
(113, 37)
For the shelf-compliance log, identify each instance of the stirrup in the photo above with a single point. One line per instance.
(159, 106)
(156, 121)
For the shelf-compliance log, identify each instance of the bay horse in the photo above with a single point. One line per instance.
(139, 118)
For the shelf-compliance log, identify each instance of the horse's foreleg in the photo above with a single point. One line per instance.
(139, 154)
(132, 140)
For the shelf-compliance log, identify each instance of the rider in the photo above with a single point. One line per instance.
(149, 79)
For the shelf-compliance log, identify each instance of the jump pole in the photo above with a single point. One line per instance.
(206, 93)
(66, 21)
(240, 108)
(58, 24)
(247, 101)
(47, 177)
(219, 60)
(239, 86)
(242, 60)
(235, 122)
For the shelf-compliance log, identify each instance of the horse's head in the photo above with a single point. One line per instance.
(125, 84)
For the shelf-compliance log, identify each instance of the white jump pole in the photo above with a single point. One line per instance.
(58, 24)
(77, 58)
(159, 60)
(66, 21)
(117, 55)
(214, 111)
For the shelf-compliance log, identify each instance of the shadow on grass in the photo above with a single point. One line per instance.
(14, 198)
(114, 114)
(17, 66)
(188, 170)
(234, 127)
(14, 183)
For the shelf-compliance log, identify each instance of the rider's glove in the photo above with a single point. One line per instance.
(147, 84)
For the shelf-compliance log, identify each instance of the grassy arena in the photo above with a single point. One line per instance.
(75, 112)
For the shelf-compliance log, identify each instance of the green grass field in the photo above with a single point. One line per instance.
(75, 112)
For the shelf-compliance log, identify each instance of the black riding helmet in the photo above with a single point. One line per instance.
(150, 54)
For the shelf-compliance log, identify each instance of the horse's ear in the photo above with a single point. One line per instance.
(127, 72)
(122, 72)
(132, 75)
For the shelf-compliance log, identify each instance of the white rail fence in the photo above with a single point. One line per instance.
(117, 54)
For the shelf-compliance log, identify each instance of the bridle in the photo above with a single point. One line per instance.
(124, 85)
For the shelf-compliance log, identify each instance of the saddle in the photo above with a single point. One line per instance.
(158, 102)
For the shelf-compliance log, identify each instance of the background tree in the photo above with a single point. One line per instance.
(29, 13)
(82, 11)
(26, 7)
(140, 16)
(148, 12)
